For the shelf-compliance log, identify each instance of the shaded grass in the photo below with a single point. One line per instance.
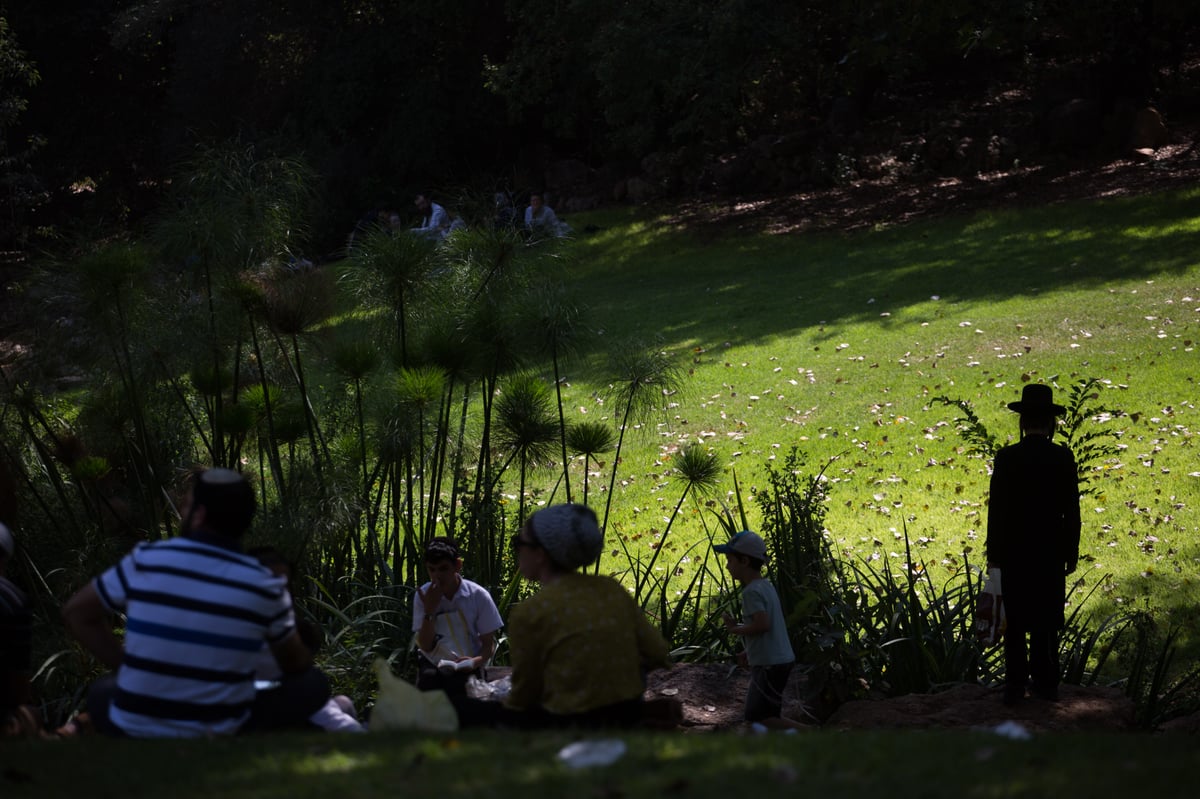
(838, 343)
(852, 764)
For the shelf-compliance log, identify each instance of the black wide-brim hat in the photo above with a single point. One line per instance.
(1037, 398)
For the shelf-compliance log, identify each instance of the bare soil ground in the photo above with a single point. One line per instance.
(707, 697)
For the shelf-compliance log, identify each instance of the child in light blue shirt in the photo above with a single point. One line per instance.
(768, 651)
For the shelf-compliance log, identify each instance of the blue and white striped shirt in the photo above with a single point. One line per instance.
(197, 615)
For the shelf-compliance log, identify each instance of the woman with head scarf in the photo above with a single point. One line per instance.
(580, 645)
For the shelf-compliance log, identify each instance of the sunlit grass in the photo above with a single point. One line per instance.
(839, 342)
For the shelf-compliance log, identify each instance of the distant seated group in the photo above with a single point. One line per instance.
(540, 218)
(437, 223)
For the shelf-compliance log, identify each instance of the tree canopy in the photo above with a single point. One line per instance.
(383, 97)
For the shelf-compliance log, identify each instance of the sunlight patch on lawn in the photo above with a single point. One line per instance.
(335, 763)
(1053, 235)
(982, 222)
(1160, 231)
(630, 238)
(731, 287)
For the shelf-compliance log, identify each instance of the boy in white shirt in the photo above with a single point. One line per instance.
(455, 621)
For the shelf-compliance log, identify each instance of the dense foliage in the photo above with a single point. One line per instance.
(385, 97)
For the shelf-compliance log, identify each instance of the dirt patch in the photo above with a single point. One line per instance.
(708, 697)
(973, 706)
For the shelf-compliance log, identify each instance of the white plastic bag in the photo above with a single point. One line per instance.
(585, 754)
(1013, 730)
(400, 706)
(990, 621)
(494, 691)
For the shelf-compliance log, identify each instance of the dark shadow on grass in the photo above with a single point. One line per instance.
(750, 290)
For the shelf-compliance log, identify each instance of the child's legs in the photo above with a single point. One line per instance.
(764, 696)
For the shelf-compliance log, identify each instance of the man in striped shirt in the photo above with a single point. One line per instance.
(197, 611)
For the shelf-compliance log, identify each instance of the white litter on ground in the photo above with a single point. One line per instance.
(586, 754)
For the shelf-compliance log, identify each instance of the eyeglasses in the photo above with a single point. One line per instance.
(518, 542)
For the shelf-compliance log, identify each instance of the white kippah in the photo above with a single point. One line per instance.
(569, 534)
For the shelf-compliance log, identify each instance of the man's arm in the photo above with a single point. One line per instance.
(1071, 517)
(426, 604)
(1000, 503)
(487, 648)
(291, 653)
(88, 621)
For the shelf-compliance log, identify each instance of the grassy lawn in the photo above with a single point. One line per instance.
(928, 764)
(838, 343)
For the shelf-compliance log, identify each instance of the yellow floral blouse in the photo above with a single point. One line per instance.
(578, 644)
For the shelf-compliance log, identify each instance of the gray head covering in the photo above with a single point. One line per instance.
(569, 534)
(6, 541)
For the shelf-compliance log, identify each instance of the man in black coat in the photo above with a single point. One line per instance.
(1033, 538)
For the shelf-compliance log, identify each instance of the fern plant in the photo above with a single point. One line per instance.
(1080, 429)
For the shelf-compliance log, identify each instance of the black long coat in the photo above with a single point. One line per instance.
(1033, 529)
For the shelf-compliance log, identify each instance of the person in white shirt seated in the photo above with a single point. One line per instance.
(436, 222)
(540, 218)
(454, 620)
